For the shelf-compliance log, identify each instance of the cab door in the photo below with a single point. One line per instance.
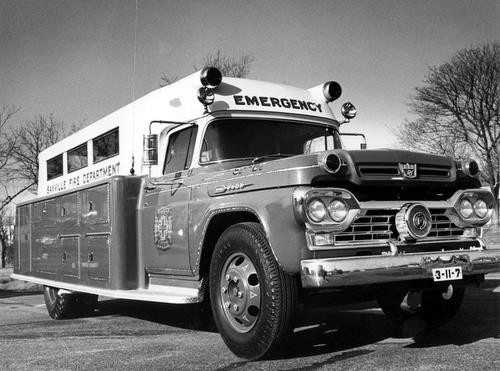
(165, 215)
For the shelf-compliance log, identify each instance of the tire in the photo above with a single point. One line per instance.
(434, 310)
(253, 300)
(58, 306)
(68, 305)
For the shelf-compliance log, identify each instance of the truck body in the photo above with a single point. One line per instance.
(239, 192)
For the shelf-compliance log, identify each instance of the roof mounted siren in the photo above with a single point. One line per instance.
(210, 78)
(332, 91)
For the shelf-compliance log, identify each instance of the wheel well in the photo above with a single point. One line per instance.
(217, 225)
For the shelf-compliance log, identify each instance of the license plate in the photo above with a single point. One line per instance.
(447, 274)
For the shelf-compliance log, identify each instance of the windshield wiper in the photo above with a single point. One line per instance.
(271, 156)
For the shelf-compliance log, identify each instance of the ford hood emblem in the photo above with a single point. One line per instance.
(408, 170)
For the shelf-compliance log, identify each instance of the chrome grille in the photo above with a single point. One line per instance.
(377, 226)
(442, 226)
(367, 228)
(392, 169)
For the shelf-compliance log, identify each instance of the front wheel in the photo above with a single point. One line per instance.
(253, 300)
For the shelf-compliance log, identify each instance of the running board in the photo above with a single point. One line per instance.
(156, 293)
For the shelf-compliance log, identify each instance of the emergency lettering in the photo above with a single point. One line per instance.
(245, 100)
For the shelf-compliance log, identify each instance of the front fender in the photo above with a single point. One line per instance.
(271, 207)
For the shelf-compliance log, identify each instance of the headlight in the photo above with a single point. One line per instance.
(316, 210)
(480, 208)
(465, 208)
(337, 210)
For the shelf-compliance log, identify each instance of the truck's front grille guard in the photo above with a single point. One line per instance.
(379, 227)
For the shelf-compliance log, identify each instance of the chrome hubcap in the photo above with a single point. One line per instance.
(240, 292)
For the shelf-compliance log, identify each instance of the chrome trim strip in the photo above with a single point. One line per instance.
(384, 242)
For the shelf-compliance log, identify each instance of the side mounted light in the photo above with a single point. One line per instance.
(348, 110)
(206, 96)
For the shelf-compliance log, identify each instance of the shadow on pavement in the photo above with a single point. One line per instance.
(335, 329)
(187, 316)
(11, 294)
(477, 319)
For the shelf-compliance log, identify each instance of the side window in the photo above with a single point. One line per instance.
(55, 167)
(106, 145)
(77, 158)
(180, 150)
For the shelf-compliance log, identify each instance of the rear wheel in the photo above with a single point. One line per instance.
(58, 306)
(253, 300)
(65, 305)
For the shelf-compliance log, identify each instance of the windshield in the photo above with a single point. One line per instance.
(238, 139)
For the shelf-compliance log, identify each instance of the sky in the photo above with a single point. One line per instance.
(75, 59)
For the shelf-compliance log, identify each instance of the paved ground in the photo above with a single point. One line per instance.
(133, 335)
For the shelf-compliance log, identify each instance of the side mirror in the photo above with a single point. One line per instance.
(348, 143)
(150, 150)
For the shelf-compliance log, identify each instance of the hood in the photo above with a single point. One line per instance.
(369, 174)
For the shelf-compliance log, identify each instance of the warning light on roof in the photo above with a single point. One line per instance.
(332, 91)
(210, 77)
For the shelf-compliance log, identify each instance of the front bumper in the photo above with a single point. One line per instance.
(338, 272)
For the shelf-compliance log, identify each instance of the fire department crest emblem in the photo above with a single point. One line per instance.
(163, 228)
(408, 170)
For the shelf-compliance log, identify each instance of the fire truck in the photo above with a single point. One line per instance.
(239, 194)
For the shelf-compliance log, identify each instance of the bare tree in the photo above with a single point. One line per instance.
(32, 137)
(6, 147)
(229, 66)
(19, 150)
(458, 109)
(6, 229)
